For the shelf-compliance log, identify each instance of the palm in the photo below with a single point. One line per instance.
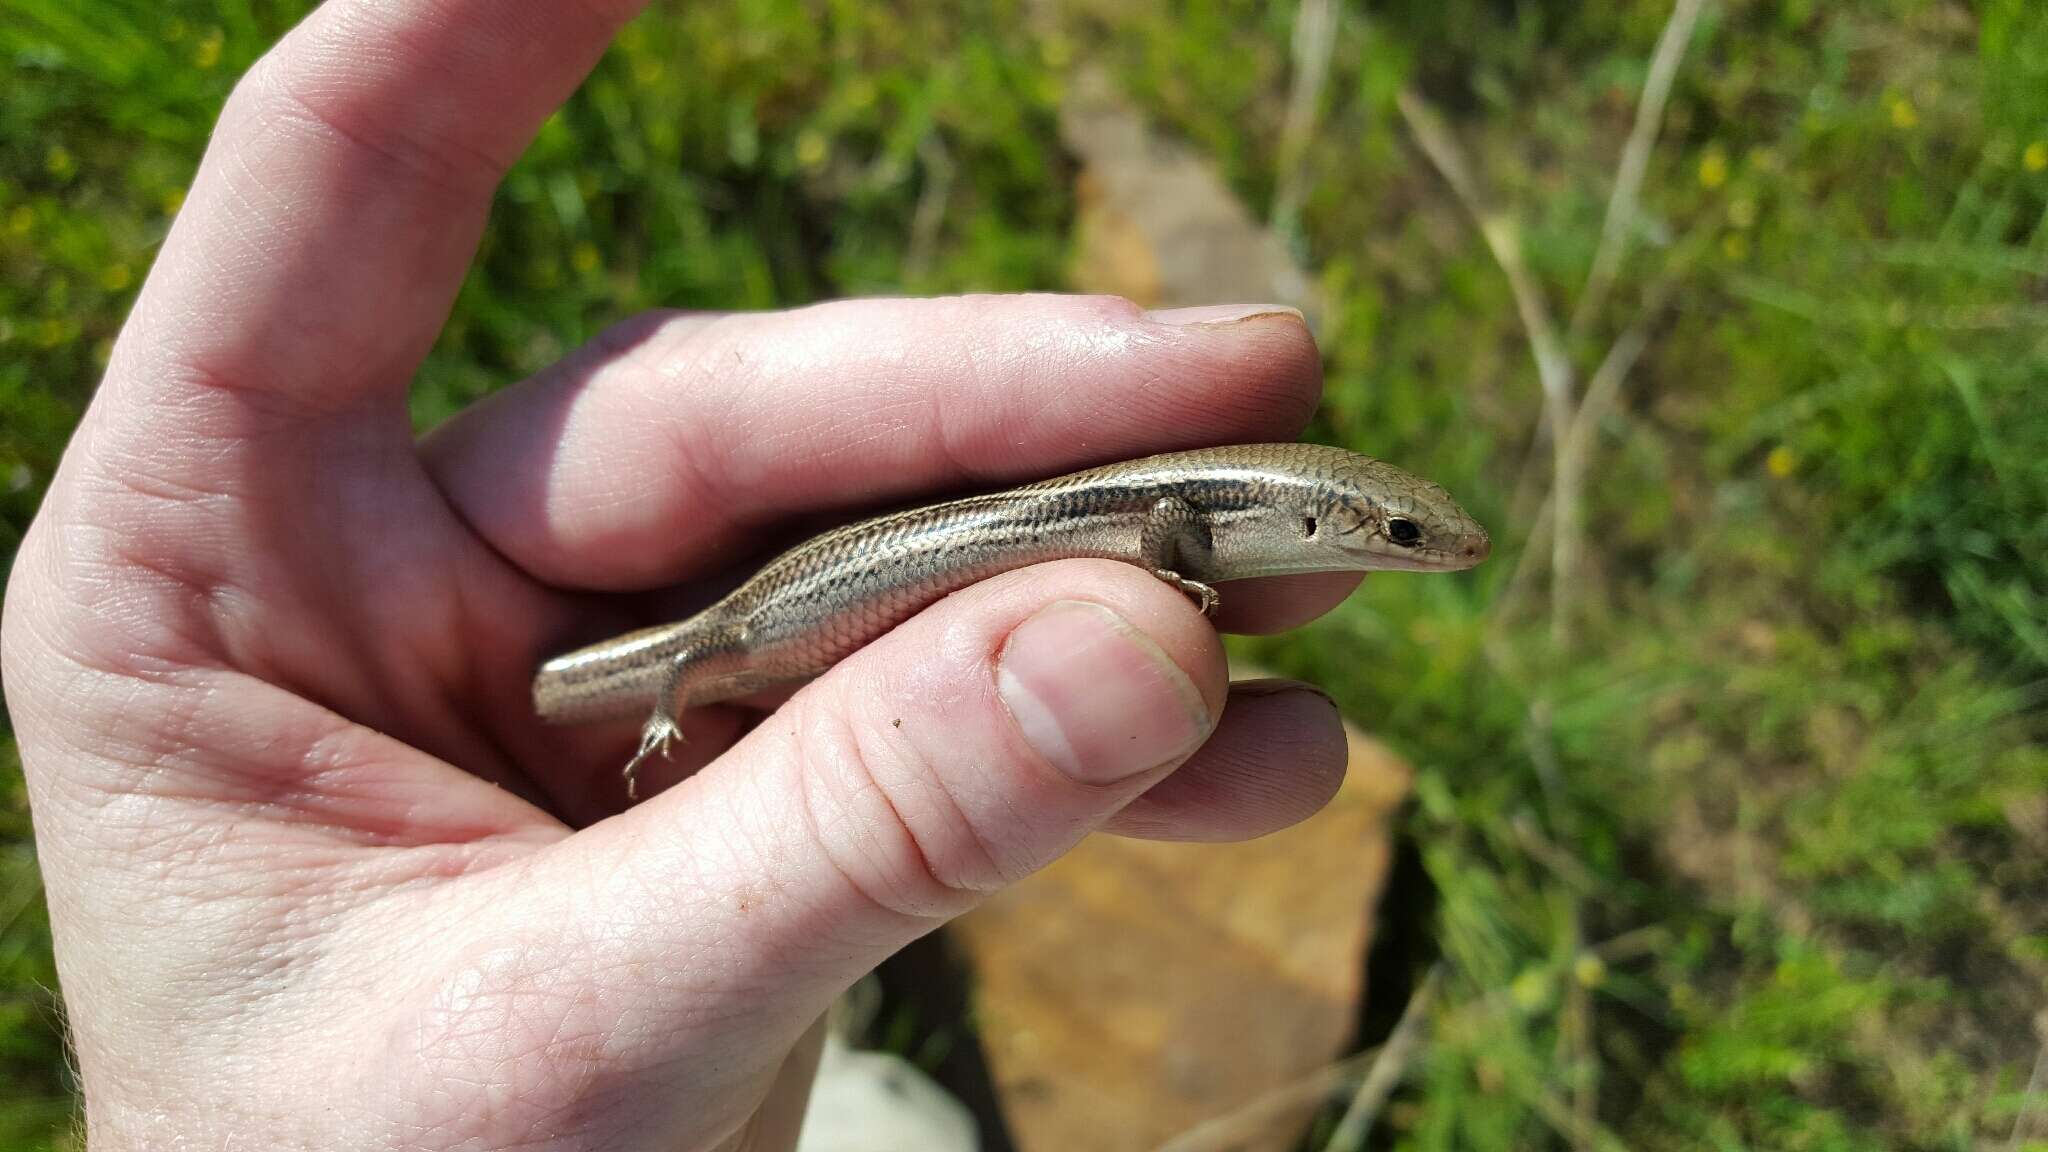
(377, 604)
(376, 601)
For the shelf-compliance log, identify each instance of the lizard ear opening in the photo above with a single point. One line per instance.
(1308, 526)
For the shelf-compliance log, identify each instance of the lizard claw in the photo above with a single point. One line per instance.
(655, 738)
(1204, 596)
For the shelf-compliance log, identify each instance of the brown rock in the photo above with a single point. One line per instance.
(1157, 223)
(1137, 988)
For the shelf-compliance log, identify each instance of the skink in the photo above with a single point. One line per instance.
(1191, 518)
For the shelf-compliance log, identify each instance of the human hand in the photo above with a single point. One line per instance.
(317, 876)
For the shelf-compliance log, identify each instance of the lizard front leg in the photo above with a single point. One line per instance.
(1174, 534)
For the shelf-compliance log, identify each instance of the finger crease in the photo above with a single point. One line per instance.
(451, 165)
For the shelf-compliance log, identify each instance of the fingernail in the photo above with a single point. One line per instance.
(1278, 686)
(1216, 315)
(1097, 697)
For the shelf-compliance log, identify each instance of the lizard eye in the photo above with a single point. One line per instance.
(1403, 532)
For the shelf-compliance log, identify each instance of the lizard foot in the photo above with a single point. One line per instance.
(660, 732)
(1204, 596)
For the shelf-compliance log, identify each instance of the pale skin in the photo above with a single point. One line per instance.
(318, 877)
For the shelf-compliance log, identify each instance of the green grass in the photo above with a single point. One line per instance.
(1755, 862)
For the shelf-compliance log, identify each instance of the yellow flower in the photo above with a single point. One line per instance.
(1713, 169)
(1685, 998)
(2036, 156)
(1904, 115)
(1780, 462)
(207, 54)
(586, 258)
(810, 148)
(1589, 970)
(1531, 989)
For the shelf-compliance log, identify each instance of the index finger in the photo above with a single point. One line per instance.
(342, 197)
(666, 448)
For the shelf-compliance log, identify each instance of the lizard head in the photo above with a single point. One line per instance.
(1384, 519)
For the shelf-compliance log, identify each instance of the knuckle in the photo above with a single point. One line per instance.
(887, 818)
(277, 95)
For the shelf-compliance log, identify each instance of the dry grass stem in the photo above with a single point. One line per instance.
(930, 211)
(1553, 365)
(1635, 162)
(1315, 39)
(1388, 1068)
(1262, 1115)
(1582, 1133)
(2035, 1083)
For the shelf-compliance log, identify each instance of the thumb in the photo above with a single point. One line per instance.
(966, 749)
(956, 755)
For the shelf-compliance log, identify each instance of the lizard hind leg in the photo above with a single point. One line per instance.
(660, 731)
(688, 669)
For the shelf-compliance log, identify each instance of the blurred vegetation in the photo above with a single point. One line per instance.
(1757, 859)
